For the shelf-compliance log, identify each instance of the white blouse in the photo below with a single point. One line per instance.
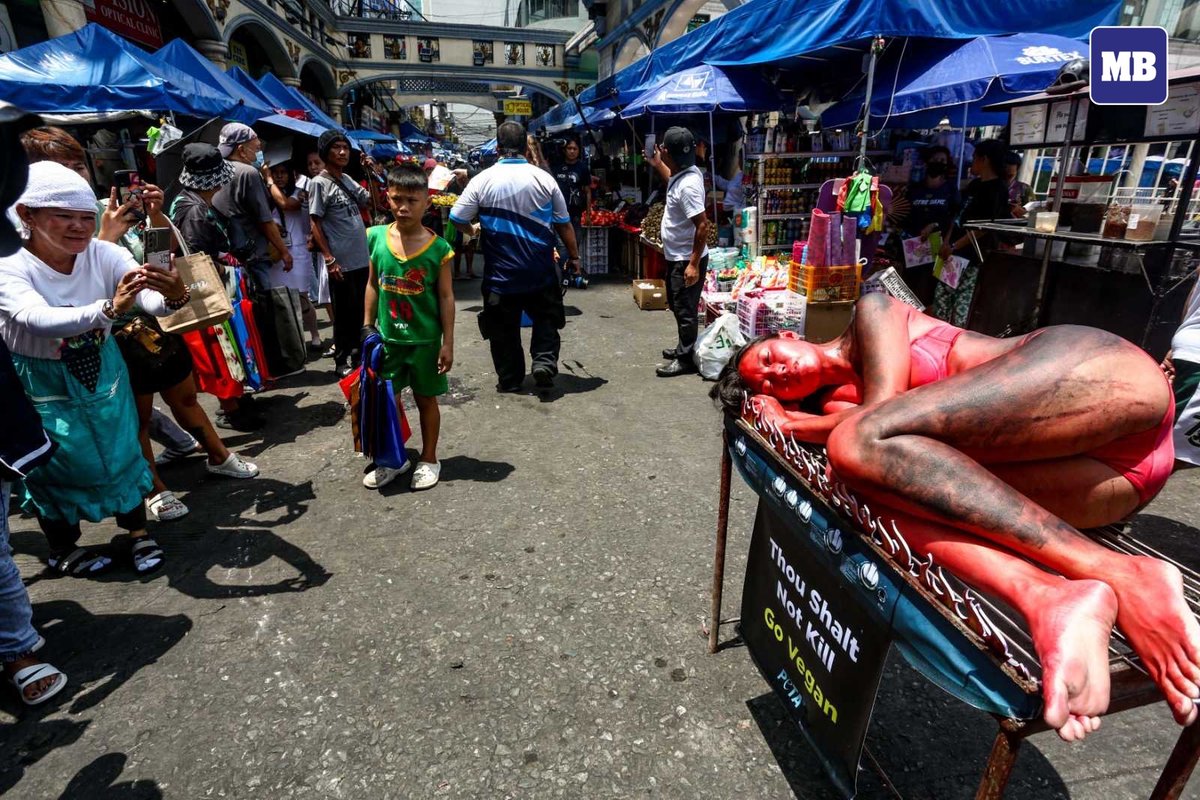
(40, 306)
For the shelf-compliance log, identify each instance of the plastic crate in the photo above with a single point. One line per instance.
(825, 284)
(770, 311)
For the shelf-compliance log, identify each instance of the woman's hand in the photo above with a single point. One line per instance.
(130, 284)
(1168, 367)
(116, 221)
(928, 229)
(152, 200)
(165, 282)
(445, 359)
(945, 252)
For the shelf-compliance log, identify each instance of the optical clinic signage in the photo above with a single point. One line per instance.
(133, 19)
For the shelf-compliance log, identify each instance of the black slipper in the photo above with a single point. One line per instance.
(80, 563)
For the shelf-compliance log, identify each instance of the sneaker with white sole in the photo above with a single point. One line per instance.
(234, 467)
(171, 455)
(382, 476)
(426, 475)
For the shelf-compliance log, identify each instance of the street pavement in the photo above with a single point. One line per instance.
(531, 628)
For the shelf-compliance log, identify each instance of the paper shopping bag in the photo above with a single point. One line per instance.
(209, 304)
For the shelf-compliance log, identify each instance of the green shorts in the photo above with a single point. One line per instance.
(414, 365)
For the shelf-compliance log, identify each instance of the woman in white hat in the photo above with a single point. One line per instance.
(59, 296)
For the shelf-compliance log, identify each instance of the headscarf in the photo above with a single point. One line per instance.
(51, 185)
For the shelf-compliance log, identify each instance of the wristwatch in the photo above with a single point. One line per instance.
(108, 309)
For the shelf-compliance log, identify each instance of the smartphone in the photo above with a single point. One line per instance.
(157, 243)
(651, 141)
(128, 183)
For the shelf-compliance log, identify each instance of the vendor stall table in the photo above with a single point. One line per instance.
(844, 543)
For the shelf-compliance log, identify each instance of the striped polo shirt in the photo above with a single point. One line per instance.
(518, 205)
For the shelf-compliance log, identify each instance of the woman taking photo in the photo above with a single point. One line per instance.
(59, 297)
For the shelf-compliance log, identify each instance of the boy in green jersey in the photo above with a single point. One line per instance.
(410, 304)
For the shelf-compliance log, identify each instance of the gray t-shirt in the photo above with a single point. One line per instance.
(336, 204)
(243, 201)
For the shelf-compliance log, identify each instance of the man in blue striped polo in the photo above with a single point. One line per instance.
(520, 207)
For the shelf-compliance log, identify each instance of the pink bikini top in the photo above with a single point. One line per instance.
(929, 355)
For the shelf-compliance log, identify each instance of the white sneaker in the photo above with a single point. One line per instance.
(382, 476)
(426, 475)
(234, 467)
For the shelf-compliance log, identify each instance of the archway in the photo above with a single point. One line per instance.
(255, 48)
(633, 49)
(195, 21)
(316, 81)
(677, 20)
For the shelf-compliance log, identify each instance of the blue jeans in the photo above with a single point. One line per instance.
(17, 635)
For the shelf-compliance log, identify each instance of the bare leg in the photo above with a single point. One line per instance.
(182, 400)
(145, 406)
(1070, 621)
(431, 426)
(1064, 393)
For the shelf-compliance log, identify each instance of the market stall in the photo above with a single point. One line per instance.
(1123, 265)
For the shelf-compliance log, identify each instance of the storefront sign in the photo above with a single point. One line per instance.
(133, 19)
(238, 56)
(1028, 125)
(812, 638)
(1179, 116)
(518, 108)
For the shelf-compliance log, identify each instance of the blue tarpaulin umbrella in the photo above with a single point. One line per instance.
(94, 71)
(277, 88)
(279, 104)
(940, 77)
(182, 56)
(706, 89)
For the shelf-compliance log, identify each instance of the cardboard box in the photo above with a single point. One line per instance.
(650, 294)
(826, 321)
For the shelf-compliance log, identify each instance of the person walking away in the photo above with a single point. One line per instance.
(244, 202)
(410, 304)
(291, 208)
(575, 182)
(204, 230)
(320, 286)
(685, 243)
(335, 205)
(985, 198)
(59, 297)
(520, 207)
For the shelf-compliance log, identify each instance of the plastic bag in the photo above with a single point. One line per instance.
(167, 134)
(716, 345)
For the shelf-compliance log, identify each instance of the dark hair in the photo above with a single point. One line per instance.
(933, 150)
(730, 389)
(407, 176)
(992, 151)
(510, 138)
(51, 144)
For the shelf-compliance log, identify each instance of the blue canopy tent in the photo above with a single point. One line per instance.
(276, 88)
(707, 89)
(180, 55)
(379, 145)
(95, 72)
(248, 84)
(957, 78)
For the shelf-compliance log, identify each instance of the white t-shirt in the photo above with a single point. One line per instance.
(1186, 342)
(685, 199)
(297, 223)
(39, 306)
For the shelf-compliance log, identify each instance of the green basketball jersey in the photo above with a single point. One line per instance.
(408, 302)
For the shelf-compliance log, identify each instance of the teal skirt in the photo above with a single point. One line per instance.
(98, 469)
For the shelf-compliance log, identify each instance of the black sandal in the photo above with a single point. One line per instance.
(79, 563)
(147, 555)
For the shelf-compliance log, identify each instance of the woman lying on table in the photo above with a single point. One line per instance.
(993, 451)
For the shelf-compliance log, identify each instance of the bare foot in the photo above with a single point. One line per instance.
(1070, 630)
(1160, 626)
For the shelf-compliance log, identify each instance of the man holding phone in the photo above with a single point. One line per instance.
(684, 240)
(244, 203)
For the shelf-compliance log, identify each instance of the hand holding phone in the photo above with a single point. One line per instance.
(129, 192)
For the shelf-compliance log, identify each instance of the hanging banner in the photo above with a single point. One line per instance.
(133, 19)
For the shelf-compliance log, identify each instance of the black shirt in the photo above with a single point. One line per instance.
(572, 180)
(983, 201)
(931, 205)
(203, 228)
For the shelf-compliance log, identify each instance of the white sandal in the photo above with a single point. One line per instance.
(426, 475)
(165, 506)
(32, 674)
(234, 467)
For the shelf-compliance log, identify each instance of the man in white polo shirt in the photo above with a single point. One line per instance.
(520, 207)
(685, 243)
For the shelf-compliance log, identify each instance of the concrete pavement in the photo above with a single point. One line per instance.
(528, 629)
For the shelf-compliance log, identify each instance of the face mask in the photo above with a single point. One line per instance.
(259, 159)
(935, 170)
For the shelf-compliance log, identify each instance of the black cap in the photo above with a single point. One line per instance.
(681, 145)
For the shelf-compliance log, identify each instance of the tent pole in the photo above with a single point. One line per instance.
(866, 126)
(962, 147)
(712, 158)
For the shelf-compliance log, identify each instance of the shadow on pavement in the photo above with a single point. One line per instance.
(285, 423)
(30, 739)
(573, 378)
(1172, 538)
(97, 781)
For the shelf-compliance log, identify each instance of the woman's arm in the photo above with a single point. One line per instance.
(29, 310)
(804, 427)
(882, 347)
